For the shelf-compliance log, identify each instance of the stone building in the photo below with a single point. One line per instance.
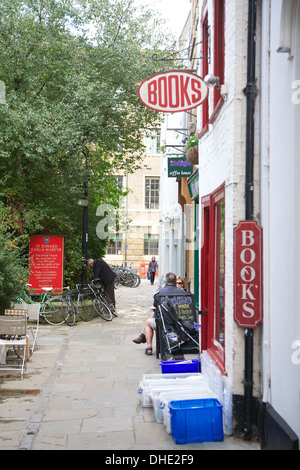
(138, 238)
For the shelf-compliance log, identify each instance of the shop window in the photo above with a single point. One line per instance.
(213, 275)
(152, 193)
(218, 336)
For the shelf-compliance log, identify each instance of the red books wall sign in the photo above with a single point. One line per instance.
(248, 274)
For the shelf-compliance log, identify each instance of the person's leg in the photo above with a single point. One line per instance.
(110, 290)
(149, 332)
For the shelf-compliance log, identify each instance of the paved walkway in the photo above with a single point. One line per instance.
(80, 389)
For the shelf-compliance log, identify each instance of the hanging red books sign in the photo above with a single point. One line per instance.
(248, 274)
(173, 92)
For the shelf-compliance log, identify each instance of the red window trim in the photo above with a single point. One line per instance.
(205, 109)
(219, 63)
(217, 109)
(219, 46)
(216, 351)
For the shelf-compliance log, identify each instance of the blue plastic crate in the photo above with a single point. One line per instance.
(170, 367)
(196, 420)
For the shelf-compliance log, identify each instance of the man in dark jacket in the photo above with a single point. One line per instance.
(105, 275)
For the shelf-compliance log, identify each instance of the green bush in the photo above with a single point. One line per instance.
(12, 273)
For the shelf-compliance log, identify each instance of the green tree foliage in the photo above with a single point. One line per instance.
(12, 272)
(72, 115)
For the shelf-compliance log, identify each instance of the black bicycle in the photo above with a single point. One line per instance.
(75, 305)
(102, 303)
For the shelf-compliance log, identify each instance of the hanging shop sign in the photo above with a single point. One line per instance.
(248, 274)
(46, 258)
(173, 92)
(179, 167)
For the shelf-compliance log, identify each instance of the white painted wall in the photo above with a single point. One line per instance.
(282, 221)
(172, 241)
(221, 159)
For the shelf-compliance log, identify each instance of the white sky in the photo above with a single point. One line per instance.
(174, 11)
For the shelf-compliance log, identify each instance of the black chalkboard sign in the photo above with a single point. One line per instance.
(184, 305)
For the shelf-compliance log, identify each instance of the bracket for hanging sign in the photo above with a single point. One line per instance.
(176, 147)
(187, 54)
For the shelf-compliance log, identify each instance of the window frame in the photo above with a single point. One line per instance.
(115, 243)
(149, 241)
(153, 135)
(205, 69)
(148, 196)
(219, 49)
(210, 296)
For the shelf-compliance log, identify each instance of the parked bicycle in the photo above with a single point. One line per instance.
(102, 303)
(50, 306)
(74, 306)
(125, 276)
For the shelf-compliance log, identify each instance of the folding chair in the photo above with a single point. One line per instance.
(33, 314)
(13, 338)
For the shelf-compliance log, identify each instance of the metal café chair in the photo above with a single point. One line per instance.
(13, 340)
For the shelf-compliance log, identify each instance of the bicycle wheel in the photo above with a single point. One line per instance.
(51, 311)
(68, 312)
(136, 280)
(85, 309)
(102, 310)
(107, 300)
(129, 279)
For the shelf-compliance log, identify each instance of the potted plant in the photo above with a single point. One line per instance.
(191, 149)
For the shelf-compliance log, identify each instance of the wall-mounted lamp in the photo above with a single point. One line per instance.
(211, 81)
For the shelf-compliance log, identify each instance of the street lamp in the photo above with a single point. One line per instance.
(84, 202)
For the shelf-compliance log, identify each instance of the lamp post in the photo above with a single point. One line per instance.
(84, 202)
(2, 93)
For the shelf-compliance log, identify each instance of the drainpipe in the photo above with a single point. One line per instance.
(250, 93)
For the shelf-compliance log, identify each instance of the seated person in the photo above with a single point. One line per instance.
(170, 288)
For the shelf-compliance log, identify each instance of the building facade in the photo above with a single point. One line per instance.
(138, 237)
(280, 202)
(252, 47)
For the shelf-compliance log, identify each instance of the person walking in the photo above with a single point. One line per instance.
(104, 274)
(152, 268)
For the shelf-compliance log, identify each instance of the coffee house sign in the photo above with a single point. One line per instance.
(174, 91)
